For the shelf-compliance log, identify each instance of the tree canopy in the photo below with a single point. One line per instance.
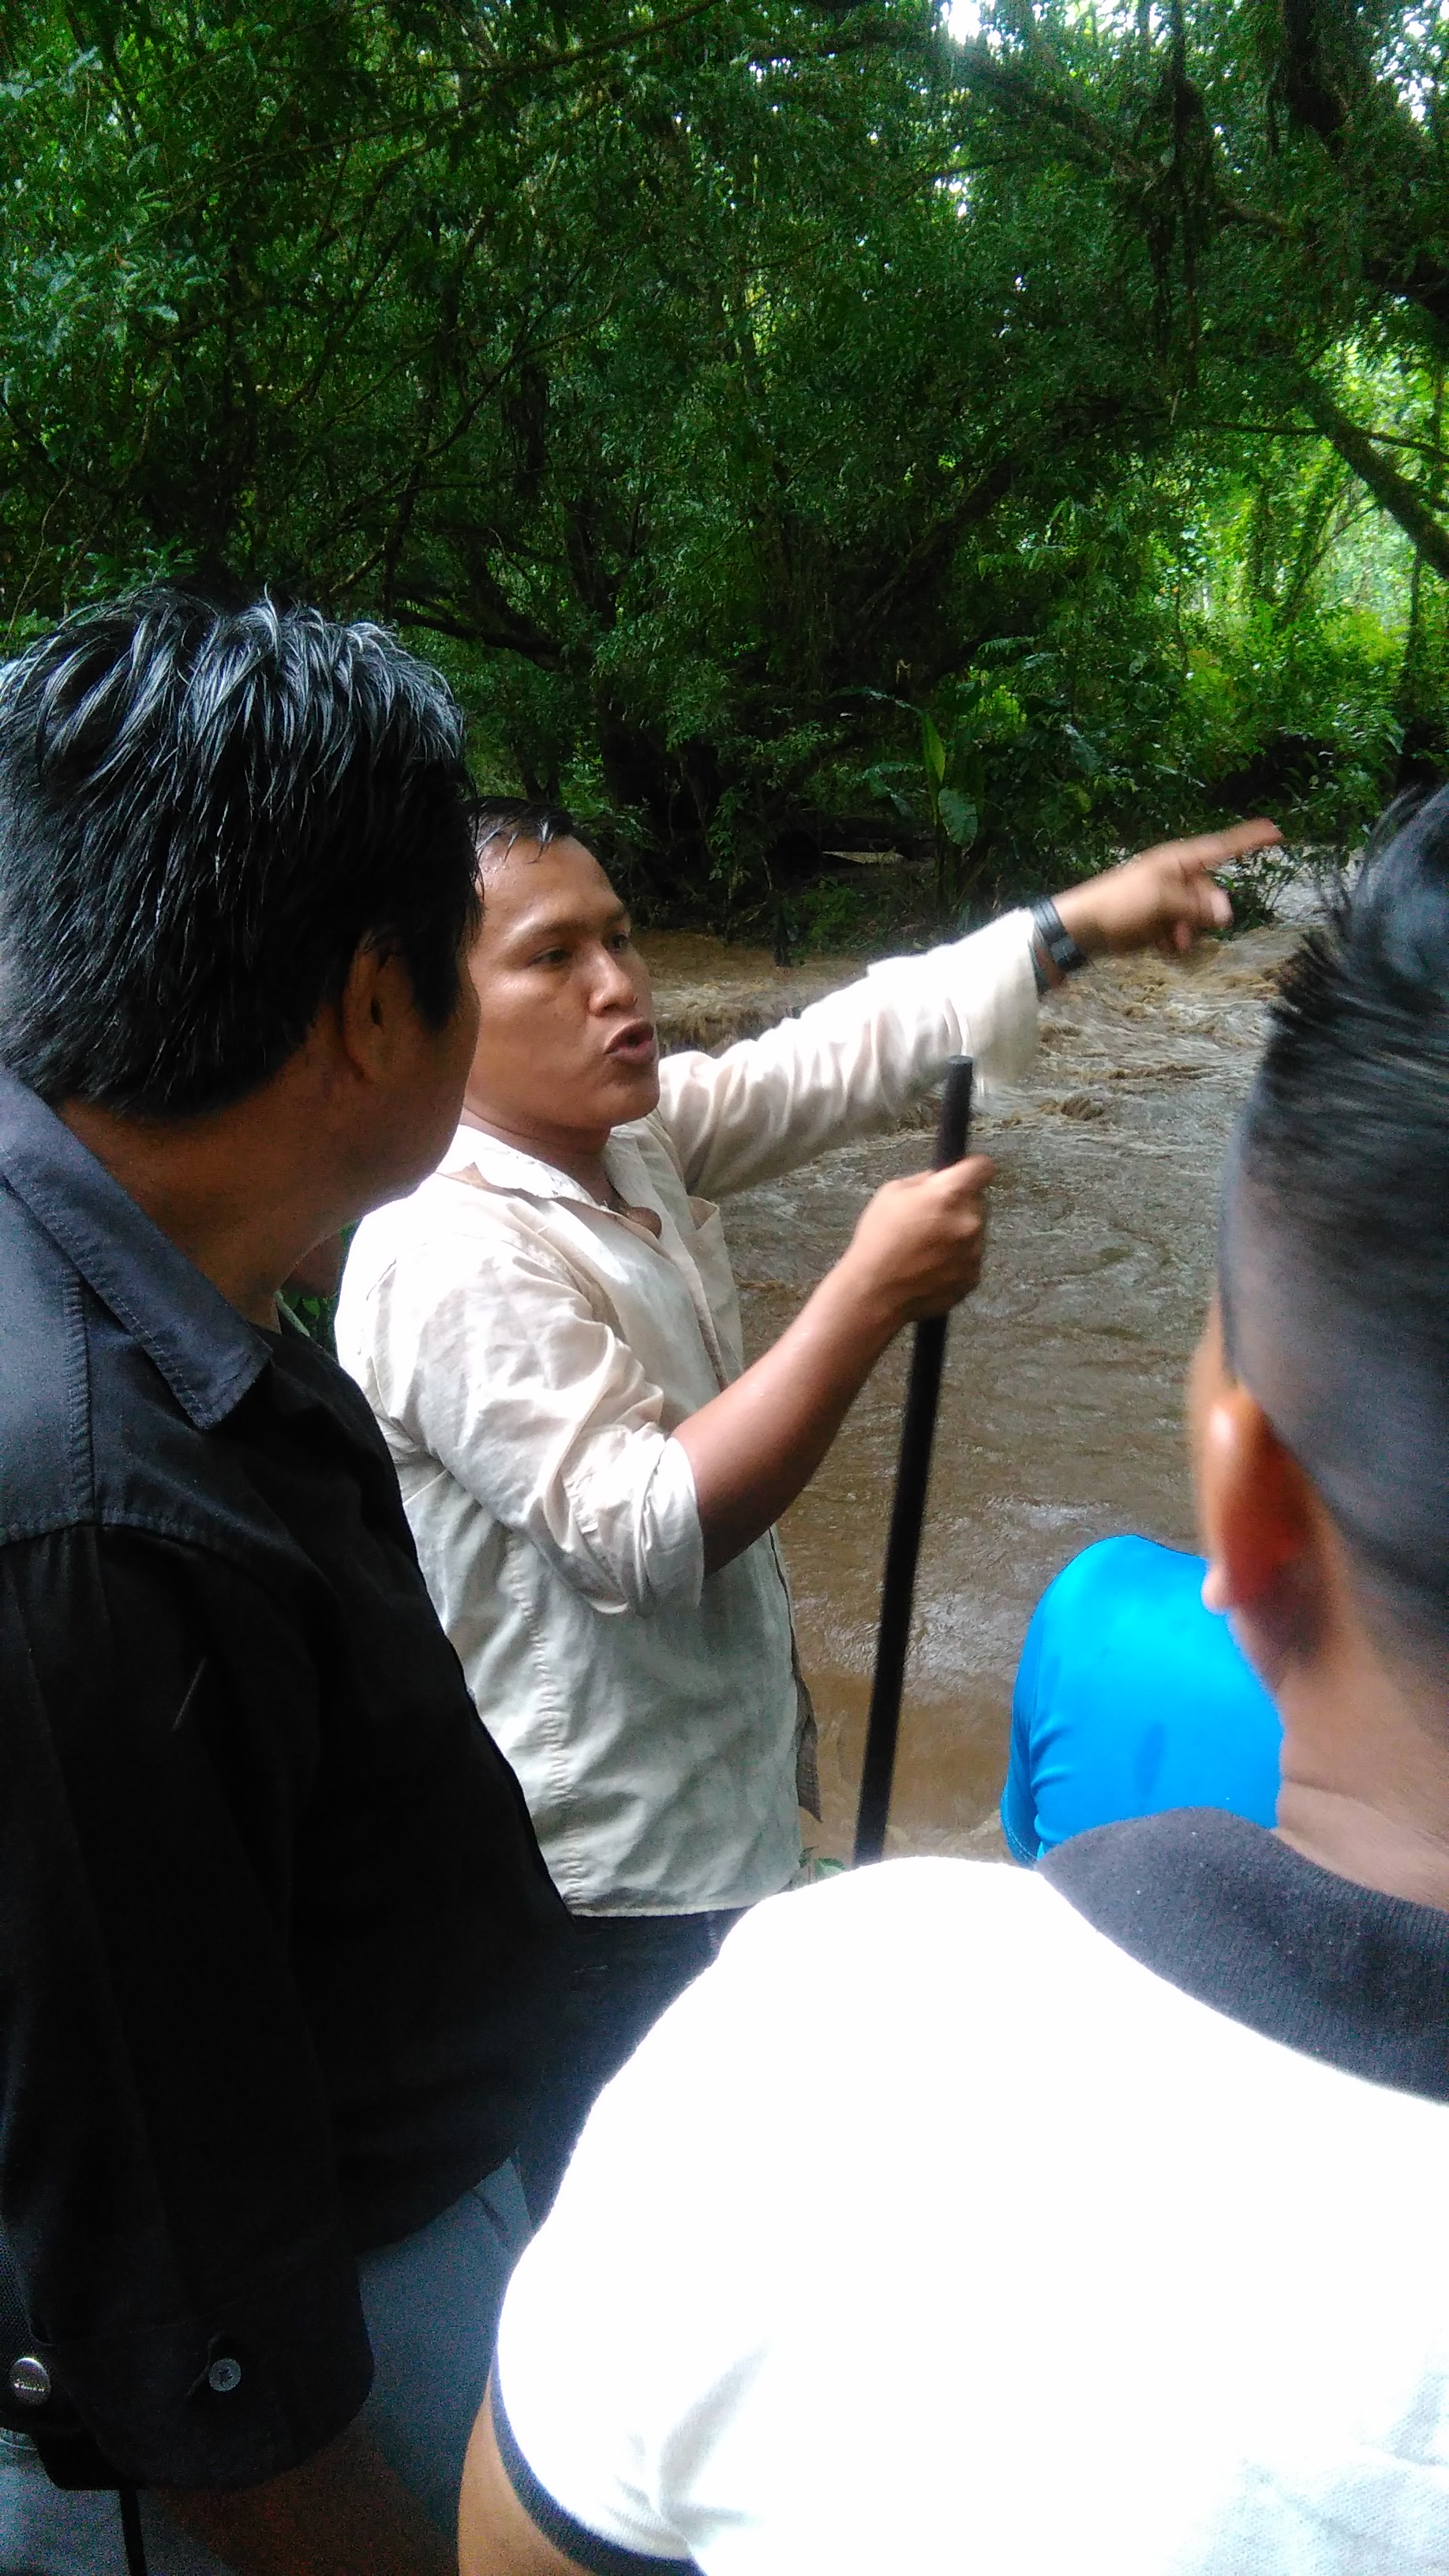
(793, 427)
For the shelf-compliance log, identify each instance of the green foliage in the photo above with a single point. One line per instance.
(886, 907)
(1324, 690)
(1256, 885)
(316, 1315)
(944, 789)
(784, 424)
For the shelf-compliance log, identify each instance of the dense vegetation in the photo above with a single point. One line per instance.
(795, 429)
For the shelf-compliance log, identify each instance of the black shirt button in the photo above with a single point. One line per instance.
(29, 2381)
(224, 2375)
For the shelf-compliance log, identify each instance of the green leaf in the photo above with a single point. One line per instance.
(933, 750)
(959, 816)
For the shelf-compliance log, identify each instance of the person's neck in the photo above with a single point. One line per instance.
(1365, 1774)
(221, 1188)
(576, 1152)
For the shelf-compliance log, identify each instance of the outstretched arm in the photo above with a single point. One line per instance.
(852, 1063)
(1164, 898)
(918, 1247)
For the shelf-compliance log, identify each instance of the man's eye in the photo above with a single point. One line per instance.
(552, 957)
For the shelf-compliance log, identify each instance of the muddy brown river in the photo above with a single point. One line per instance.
(1061, 1413)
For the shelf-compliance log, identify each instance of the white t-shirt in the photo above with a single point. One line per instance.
(1102, 2280)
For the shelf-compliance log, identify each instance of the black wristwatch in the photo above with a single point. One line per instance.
(1057, 942)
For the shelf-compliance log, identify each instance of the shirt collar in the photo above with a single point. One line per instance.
(1239, 1919)
(507, 1167)
(208, 1354)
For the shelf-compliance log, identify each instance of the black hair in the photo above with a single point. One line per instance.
(500, 821)
(1335, 1266)
(205, 812)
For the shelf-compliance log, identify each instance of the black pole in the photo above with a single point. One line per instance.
(133, 2539)
(903, 1547)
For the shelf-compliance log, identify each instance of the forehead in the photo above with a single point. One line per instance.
(524, 885)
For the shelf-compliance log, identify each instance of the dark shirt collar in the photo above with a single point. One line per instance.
(1246, 1924)
(208, 1354)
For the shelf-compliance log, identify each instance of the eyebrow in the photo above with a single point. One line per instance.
(549, 925)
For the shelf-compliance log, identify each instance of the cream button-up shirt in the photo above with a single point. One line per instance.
(528, 1354)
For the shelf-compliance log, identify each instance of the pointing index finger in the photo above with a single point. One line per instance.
(1219, 849)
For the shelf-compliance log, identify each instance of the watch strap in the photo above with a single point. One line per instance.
(1056, 940)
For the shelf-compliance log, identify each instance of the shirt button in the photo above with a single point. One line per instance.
(29, 2381)
(224, 2375)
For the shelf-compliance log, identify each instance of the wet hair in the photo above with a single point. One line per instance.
(499, 822)
(205, 812)
(1333, 1266)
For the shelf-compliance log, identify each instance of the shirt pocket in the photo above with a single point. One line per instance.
(709, 1253)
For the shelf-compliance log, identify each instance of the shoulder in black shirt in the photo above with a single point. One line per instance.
(278, 1952)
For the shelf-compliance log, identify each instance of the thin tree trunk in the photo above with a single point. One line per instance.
(1389, 487)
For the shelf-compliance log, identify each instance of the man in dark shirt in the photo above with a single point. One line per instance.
(277, 1948)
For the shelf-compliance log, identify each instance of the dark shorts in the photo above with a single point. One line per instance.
(627, 1969)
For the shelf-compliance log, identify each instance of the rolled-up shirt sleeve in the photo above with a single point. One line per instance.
(854, 1062)
(494, 1360)
(168, 2180)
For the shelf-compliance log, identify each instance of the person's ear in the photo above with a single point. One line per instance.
(376, 1013)
(1254, 1502)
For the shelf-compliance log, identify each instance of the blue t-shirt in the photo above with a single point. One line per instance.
(1131, 1699)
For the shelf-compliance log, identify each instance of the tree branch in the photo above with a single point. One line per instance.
(568, 55)
(1298, 429)
(1389, 487)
